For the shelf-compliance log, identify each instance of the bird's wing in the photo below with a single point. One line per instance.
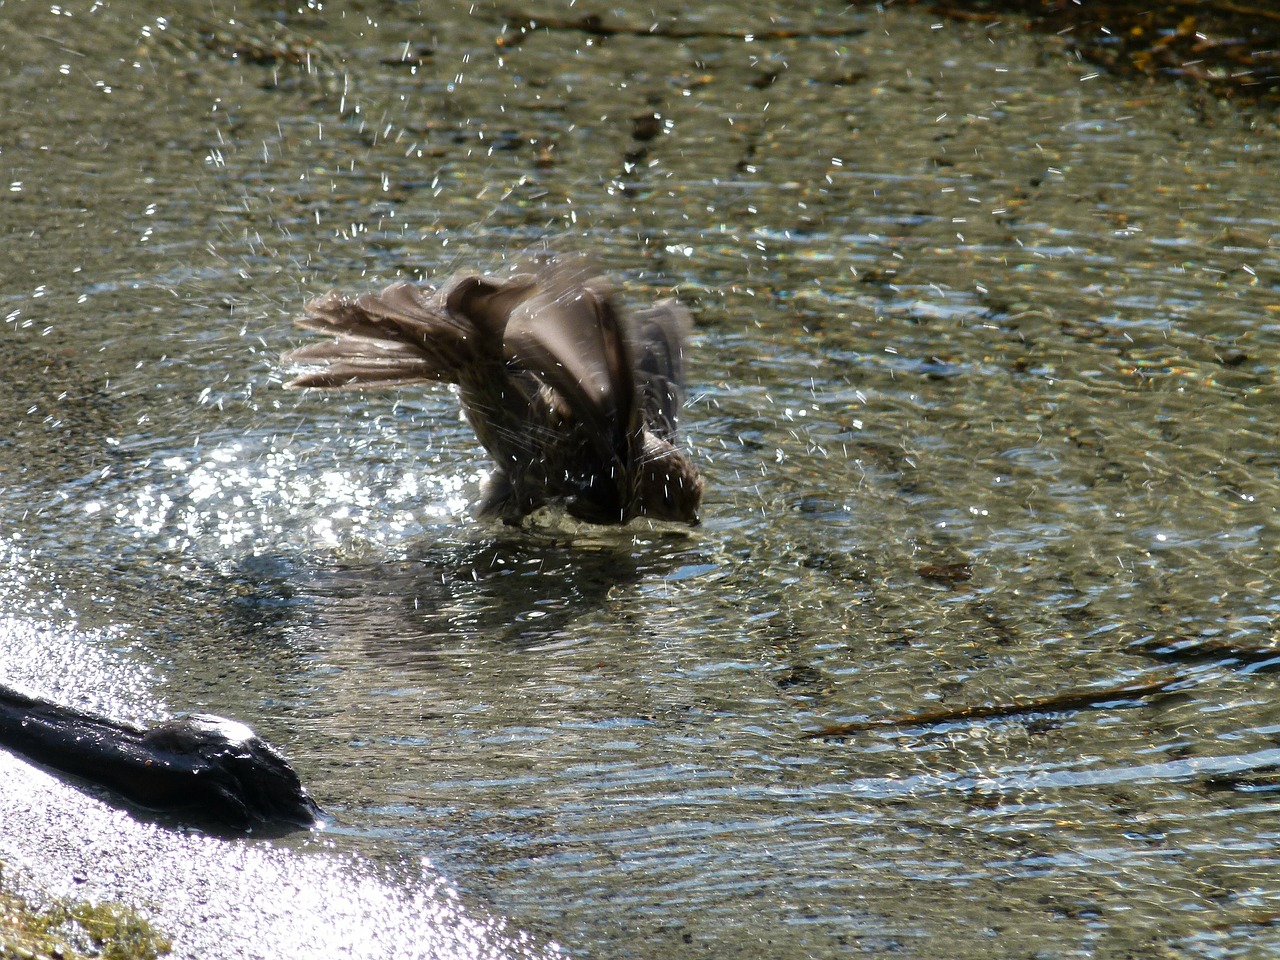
(569, 334)
(657, 338)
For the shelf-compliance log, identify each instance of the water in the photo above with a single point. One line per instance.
(983, 388)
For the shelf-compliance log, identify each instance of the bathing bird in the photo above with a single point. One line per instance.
(576, 399)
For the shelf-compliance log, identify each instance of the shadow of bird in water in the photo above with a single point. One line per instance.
(576, 401)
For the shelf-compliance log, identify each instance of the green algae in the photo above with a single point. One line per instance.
(69, 930)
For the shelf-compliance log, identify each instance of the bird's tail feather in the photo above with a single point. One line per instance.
(403, 335)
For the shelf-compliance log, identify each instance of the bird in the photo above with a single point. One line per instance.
(575, 399)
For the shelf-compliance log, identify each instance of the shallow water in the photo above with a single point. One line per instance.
(983, 388)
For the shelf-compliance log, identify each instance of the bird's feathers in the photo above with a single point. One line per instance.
(564, 389)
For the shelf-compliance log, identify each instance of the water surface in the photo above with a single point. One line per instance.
(983, 388)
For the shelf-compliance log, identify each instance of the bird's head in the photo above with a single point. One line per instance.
(668, 486)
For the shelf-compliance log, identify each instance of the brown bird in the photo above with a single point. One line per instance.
(576, 401)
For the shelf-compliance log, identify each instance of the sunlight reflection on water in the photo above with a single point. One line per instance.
(252, 900)
(235, 496)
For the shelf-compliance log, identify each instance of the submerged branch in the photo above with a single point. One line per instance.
(1228, 652)
(596, 26)
(1052, 703)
